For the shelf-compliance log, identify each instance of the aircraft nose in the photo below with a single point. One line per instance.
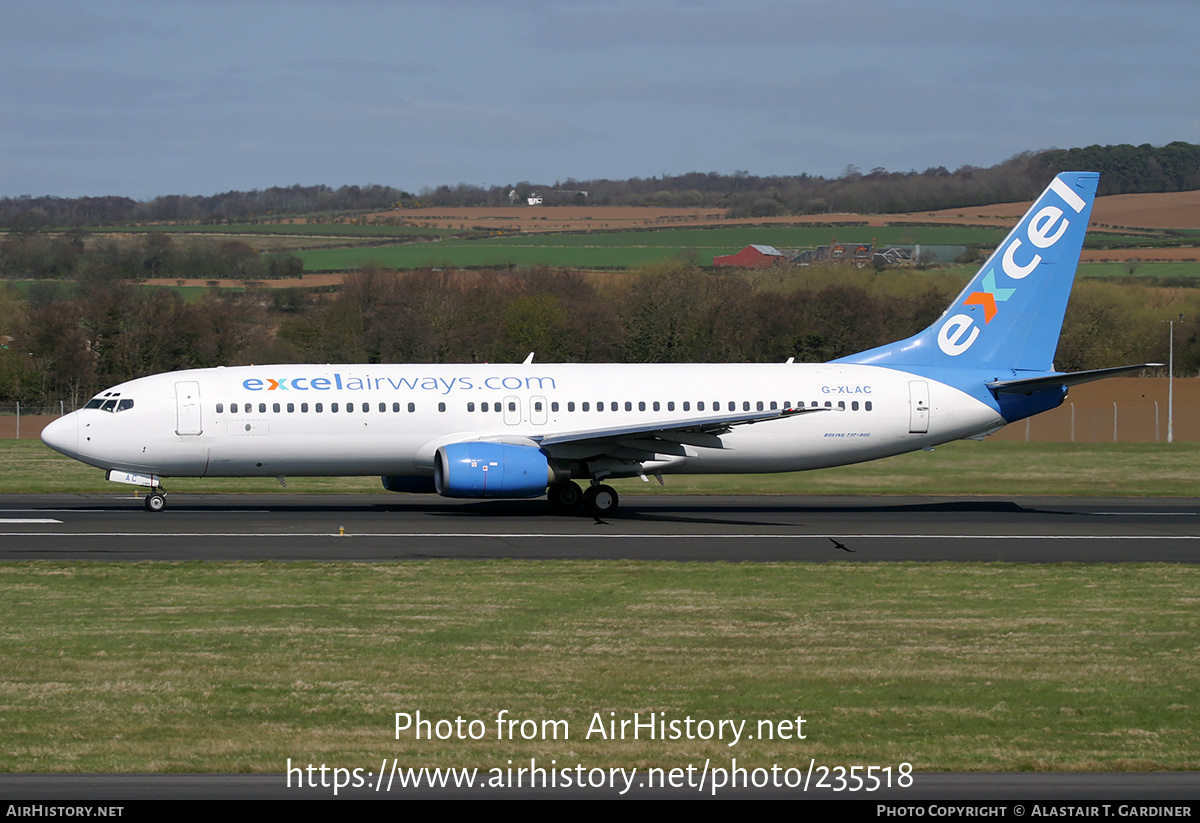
(62, 435)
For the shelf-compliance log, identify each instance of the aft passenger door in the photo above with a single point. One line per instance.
(918, 398)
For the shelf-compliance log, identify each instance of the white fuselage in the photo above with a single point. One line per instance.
(390, 419)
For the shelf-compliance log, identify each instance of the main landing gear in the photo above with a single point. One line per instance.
(565, 497)
(156, 501)
(597, 501)
(600, 500)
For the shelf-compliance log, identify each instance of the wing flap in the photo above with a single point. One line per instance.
(702, 432)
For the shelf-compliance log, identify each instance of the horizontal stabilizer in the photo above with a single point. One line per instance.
(1028, 384)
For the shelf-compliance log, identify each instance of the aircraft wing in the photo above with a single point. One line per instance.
(705, 429)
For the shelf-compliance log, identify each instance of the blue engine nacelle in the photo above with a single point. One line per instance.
(481, 469)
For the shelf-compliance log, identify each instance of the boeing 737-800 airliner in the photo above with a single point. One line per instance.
(511, 431)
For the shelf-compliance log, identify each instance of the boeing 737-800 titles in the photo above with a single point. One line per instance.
(512, 431)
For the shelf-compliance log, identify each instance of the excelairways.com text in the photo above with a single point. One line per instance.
(703, 778)
(442, 385)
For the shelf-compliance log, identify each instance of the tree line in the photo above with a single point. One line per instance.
(36, 255)
(1123, 168)
(73, 339)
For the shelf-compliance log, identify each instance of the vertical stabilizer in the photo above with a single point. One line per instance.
(1009, 316)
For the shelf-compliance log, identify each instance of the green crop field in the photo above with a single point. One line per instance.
(625, 249)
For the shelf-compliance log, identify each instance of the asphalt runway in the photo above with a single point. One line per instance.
(680, 528)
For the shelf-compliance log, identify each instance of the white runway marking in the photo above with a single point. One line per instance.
(14, 520)
(624, 536)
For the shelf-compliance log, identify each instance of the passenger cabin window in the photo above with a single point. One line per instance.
(220, 408)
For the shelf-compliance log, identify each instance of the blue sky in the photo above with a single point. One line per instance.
(151, 97)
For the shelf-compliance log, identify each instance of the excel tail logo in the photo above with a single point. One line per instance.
(989, 297)
(1042, 227)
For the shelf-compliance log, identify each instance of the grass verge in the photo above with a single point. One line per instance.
(230, 667)
(967, 467)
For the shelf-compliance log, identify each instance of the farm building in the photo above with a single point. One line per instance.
(754, 256)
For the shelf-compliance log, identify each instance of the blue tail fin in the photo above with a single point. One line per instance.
(1009, 316)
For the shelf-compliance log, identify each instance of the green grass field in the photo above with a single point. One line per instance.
(628, 248)
(231, 667)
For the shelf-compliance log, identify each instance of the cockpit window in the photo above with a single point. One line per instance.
(110, 402)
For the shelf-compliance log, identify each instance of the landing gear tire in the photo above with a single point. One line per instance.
(156, 502)
(565, 497)
(600, 500)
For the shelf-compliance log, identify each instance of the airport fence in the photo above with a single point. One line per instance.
(23, 421)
